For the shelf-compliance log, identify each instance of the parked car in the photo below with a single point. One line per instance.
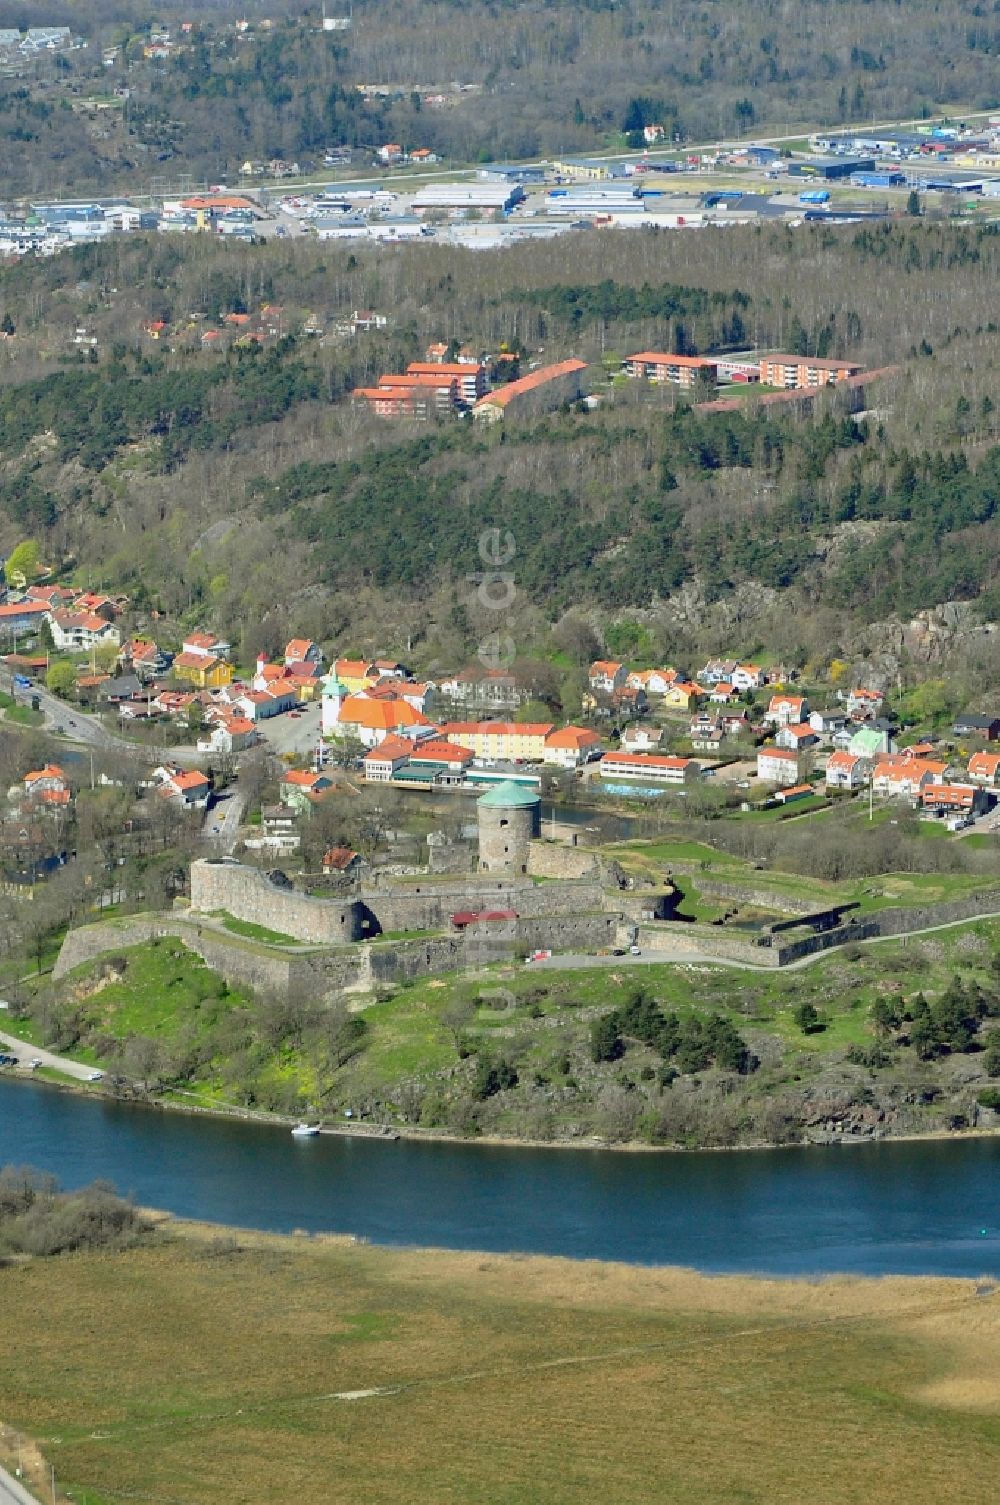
(96, 1076)
(35, 1062)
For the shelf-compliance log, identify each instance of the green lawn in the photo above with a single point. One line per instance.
(157, 989)
(257, 932)
(23, 715)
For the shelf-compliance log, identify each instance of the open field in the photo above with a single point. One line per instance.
(209, 1369)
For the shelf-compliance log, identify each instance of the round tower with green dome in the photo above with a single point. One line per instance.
(510, 817)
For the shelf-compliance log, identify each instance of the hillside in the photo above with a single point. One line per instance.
(472, 82)
(134, 459)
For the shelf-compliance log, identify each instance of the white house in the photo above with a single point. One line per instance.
(779, 765)
(188, 787)
(746, 677)
(261, 705)
(846, 770)
(787, 710)
(607, 676)
(231, 734)
(639, 736)
(906, 778)
(799, 738)
(657, 768)
(206, 645)
(570, 746)
(81, 630)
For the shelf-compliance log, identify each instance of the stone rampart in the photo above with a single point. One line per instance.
(749, 893)
(429, 906)
(554, 859)
(705, 940)
(249, 895)
(247, 965)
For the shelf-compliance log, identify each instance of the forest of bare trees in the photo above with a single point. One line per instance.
(540, 78)
(202, 484)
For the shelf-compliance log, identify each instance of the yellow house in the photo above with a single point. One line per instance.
(683, 695)
(505, 740)
(203, 670)
(355, 674)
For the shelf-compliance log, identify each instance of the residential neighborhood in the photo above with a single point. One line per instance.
(744, 727)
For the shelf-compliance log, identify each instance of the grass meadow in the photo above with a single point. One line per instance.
(213, 1367)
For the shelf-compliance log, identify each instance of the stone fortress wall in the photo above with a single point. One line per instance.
(249, 895)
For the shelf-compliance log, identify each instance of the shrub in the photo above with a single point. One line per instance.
(36, 1218)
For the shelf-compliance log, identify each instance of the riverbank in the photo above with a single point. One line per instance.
(413, 1134)
(394, 1375)
(673, 1054)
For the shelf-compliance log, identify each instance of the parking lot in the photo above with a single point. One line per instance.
(295, 733)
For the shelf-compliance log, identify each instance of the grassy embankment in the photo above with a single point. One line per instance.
(209, 1368)
(164, 992)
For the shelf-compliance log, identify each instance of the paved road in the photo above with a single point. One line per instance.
(12, 1492)
(222, 821)
(26, 1052)
(77, 726)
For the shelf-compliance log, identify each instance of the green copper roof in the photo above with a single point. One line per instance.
(334, 687)
(509, 796)
(867, 740)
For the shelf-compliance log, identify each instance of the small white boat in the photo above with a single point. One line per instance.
(305, 1131)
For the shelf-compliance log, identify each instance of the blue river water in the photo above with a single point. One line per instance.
(923, 1207)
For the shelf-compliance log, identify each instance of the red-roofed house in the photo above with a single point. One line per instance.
(679, 370)
(373, 720)
(449, 754)
(570, 746)
(956, 799)
(906, 778)
(261, 705)
(606, 675)
(506, 741)
(43, 781)
(539, 391)
(23, 616)
(798, 737)
(189, 787)
(380, 764)
(846, 770)
(303, 651)
(785, 709)
(230, 734)
(341, 860)
(80, 630)
(202, 669)
(984, 767)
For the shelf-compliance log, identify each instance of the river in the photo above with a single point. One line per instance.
(923, 1207)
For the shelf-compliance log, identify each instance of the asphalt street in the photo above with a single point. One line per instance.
(12, 1492)
(222, 820)
(26, 1053)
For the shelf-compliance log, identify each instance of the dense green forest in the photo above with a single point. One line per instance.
(538, 76)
